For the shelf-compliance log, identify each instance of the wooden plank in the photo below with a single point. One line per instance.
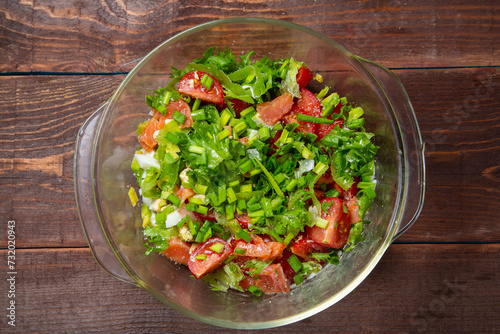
(458, 116)
(39, 120)
(415, 288)
(40, 116)
(96, 36)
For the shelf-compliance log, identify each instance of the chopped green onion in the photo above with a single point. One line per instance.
(298, 279)
(218, 247)
(270, 177)
(174, 200)
(200, 189)
(246, 111)
(222, 193)
(258, 213)
(202, 257)
(264, 133)
(196, 105)
(234, 183)
(314, 119)
(242, 205)
(198, 115)
(196, 149)
(240, 251)
(170, 158)
(295, 263)
(332, 193)
(141, 127)
(196, 200)
(291, 185)
(204, 233)
(275, 203)
(186, 98)
(223, 134)
(307, 154)
(217, 228)
(193, 227)
(289, 238)
(320, 168)
(234, 121)
(320, 222)
(230, 208)
(202, 209)
(132, 196)
(254, 207)
(247, 166)
(225, 117)
(191, 207)
(280, 177)
(255, 290)
(231, 196)
(242, 234)
(284, 136)
(246, 188)
(207, 81)
(173, 137)
(183, 221)
(161, 109)
(240, 127)
(166, 98)
(255, 172)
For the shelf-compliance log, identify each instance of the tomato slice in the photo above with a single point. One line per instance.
(201, 267)
(351, 202)
(287, 268)
(323, 129)
(272, 111)
(243, 219)
(183, 108)
(304, 246)
(177, 251)
(191, 85)
(209, 216)
(337, 231)
(308, 104)
(258, 248)
(147, 140)
(271, 279)
(184, 193)
(305, 127)
(353, 208)
(304, 76)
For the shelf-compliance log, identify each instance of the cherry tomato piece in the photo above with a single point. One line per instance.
(337, 231)
(272, 111)
(304, 76)
(304, 246)
(191, 85)
(177, 251)
(212, 259)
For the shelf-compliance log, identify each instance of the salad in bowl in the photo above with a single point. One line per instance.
(248, 177)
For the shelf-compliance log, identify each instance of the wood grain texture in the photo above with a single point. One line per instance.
(109, 36)
(40, 117)
(415, 288)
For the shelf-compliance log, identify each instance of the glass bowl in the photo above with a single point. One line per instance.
(107, 141)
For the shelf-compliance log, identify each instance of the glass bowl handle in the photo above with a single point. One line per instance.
(85, 199)
(413, 150)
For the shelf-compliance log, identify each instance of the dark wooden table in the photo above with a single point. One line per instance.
(60, 60)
